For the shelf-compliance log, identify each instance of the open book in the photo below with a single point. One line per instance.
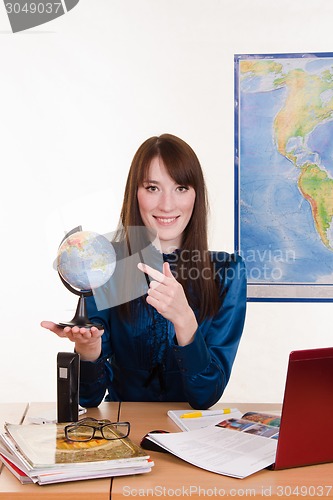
(43, 454)
(236, 447)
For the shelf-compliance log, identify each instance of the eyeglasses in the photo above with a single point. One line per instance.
(85, 429)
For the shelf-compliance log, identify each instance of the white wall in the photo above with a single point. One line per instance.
(77, 97)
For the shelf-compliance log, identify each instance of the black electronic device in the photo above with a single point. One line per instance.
(147, 444)
(68, 367)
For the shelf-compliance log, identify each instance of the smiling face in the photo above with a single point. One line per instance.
(165, 206)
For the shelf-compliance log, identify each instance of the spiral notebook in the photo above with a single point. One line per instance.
(209, 417)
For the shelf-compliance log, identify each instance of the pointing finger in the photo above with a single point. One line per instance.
(153, 273)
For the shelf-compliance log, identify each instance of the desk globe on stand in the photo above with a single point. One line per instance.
(85, 261)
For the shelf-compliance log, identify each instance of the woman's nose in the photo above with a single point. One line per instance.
(166, 202)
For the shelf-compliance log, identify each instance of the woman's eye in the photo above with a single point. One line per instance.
(152, 189)
(182, 189)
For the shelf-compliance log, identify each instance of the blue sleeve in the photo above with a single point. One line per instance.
(206, 363)
(96, 376)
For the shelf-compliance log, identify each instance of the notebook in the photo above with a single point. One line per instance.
(306, 431)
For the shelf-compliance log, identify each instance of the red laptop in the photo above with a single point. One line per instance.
(306, 431)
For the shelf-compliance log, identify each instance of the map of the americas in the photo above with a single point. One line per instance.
(286, 155)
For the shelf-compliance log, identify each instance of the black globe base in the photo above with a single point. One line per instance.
(80, 318)
(85, 325)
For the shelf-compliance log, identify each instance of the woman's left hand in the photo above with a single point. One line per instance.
(167, 296)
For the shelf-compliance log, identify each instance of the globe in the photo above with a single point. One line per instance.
(86, 260)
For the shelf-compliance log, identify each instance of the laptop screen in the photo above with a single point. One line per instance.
(306, 431)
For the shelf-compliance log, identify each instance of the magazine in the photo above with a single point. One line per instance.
(206, 418)
(260, 424)
(42, 453)
(218, 448)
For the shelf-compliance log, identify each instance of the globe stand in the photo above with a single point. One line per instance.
(80, 318)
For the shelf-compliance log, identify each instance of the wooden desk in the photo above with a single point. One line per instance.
(170, 476)
(12, 489)
(173, 477)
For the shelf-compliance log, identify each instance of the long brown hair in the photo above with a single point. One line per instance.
(184, 168)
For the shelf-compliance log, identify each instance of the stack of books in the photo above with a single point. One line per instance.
(41, 454)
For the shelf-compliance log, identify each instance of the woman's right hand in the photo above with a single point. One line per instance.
(87, 341)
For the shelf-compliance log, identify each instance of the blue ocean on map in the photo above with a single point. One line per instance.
(319, 64)
(321, 142)
(277, 235)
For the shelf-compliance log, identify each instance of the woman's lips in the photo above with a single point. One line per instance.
(165, 221)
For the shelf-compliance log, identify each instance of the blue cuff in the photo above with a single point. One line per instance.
(91, 370)
(193, 358)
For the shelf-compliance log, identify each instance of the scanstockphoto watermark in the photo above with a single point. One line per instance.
(263, 491)
(187, 491)
(23, 14)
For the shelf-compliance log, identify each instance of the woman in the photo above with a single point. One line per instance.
(178, 341)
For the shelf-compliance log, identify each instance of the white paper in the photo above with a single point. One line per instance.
(219, 450)
(48, 416)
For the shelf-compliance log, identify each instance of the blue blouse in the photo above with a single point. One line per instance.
(197, 373)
